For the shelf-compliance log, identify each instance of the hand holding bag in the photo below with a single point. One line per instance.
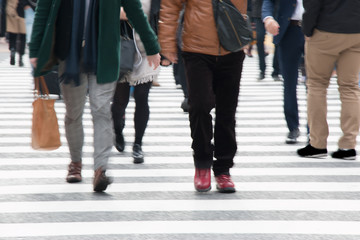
(45, 133)
(234, 31)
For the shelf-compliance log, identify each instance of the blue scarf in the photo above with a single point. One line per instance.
(72, 68)
(91, 33)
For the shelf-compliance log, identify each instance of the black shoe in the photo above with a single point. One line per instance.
(311, 152)
(349, 154)
(261, 76)
(276, 78)
(120, 142)
(292, 136)
(184, 105)
(137, 154)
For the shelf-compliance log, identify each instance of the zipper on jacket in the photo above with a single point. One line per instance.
(232, 26)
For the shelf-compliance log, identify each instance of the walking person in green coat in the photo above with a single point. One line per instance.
(83, 38)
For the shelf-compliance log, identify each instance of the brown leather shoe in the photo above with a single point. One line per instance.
(74, 172)
(101, 181)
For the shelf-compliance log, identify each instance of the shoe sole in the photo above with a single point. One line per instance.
(73, 180)
(138, 160)
(346, 158)
(322, 155)
(203, 190)
(102, 186)
(226, 190)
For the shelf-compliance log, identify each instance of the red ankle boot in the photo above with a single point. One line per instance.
(224, 184)
(202, 179)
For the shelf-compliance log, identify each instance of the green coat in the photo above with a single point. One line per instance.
(108, 62)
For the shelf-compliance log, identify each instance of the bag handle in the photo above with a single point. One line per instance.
(41, 84)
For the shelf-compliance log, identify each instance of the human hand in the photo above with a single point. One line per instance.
(165, 62)
(172, 57)
(154, 60)
(33, 62)
(272, 26)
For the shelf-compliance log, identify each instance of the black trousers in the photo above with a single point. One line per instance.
(213, 82)
(17, 42)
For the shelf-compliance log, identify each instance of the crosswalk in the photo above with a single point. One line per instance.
(279, 195)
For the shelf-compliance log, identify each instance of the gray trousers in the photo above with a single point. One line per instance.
(100, 96)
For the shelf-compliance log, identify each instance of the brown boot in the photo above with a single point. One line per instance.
(101, 181)
(74, 172)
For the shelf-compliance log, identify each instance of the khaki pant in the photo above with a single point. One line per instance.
(323, 51)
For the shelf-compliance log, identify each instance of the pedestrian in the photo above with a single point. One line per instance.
(16, 29)
(285, 25)
(331, 41)
(260, 38)
(86, 44)
(213, 76)
(141, 79)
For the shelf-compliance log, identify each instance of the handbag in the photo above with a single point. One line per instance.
(234, 31)
(128, 48)
(45, 133)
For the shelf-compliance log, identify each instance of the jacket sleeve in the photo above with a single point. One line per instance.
(310, 16)
(39, 26)
(168, 25)
(267, 9)
(139, 20)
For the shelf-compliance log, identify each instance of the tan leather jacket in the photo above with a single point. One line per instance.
(199, 33)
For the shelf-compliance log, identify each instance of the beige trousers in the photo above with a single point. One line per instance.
(323, 51)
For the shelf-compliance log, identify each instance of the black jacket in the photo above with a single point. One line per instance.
(336, 16)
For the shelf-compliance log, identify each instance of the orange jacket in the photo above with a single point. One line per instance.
(199, 33)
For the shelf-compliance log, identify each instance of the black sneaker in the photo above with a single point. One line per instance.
(120, 142)
(292, 136)
(261, 76)
(311, 152)
(137, 154)
(349, 154)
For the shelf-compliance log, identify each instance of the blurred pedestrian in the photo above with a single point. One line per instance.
(282, 18)
(260, 38)
(16, 29)
(141, 79)
(332, 40)
(86, 44)
(213, 77)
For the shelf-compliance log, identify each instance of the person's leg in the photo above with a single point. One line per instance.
(74, 98)
(260, 37)
(275, 65)
(21, 50)
(226, 87)
(100, 96)
(12, 47)
(118, 107)
(141, 117)
(199, 74)
(319, 65)
(348, 67)
(142, 112)
(291, 48)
